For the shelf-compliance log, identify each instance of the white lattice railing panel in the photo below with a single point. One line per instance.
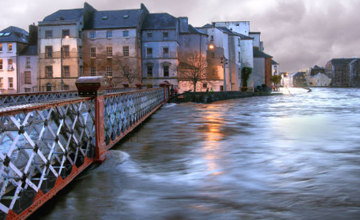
(39, 145)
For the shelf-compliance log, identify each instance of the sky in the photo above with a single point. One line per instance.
(297, 33)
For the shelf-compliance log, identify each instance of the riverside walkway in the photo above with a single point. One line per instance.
(47, 139)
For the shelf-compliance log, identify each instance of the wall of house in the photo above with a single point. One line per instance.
(74, 61)
(158, 59)
(275, 69)
(268, 72)
(116, 61)
(241, 27)
(355, 74)
(247, 58)
(256, 40)
(258, 72)
(9, 71)
(32, 68)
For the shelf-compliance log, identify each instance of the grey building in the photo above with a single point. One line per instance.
(343, 72)
(112, 45)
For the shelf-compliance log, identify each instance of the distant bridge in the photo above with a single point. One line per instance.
(47, 139)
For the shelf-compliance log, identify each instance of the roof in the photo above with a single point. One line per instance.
(159, 21)
(65, 15)
(14, 34)
(273, 62)
(259, 54)
(226, 30)
(342, 61)
(207, 26)
(193, 30)
(29, 50)
(255, 33)
(116, 19)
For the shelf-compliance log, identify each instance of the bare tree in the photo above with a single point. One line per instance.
(128, 70)
(192, 68)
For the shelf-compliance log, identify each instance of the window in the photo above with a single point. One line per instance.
(212, 37)
(1, 64)
(149, 35)
(149, 70)
(10, 64)
(0, 47)
(126, 51)
(48, 52)
(212, 54)
(108, 34)
(65, 33)
(48, 87)
(165, 35)
(27, 77)
(67, 71)
(93, 52)
(1, 82)
(66, 51)
(239, 57)
(48, 34)
(48, 72)
(10, 47)
(149, 52)
(66, 87)
(125, 33)
(108, 71)
(92, 35)
(92, 71)
(239, 42)
(205, 85)
(166, 52)
(27, 90)
(108, 51)
(27, 62)
(166, 71)
(11, 83)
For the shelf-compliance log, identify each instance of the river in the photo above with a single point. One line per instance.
(280, 157)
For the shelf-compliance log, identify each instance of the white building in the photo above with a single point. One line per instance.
(12, 41)
(319, 79)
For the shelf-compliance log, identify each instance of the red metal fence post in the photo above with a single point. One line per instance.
(94, 86)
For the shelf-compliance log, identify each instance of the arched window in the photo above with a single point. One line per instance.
(48, 87)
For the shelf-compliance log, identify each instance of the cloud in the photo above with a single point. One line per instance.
(298, 33)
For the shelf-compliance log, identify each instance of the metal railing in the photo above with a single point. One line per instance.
(46, 144)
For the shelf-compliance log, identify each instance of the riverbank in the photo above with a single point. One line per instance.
(209, 97)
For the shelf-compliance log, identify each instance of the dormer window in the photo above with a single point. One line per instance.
(105, 17)
(126, 16)
(7, 34)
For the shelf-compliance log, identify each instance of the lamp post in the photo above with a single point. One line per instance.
(61, 61)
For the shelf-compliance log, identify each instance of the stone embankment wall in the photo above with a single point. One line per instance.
(209, 97)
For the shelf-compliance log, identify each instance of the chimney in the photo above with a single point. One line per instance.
(33, 34)
(184, 26)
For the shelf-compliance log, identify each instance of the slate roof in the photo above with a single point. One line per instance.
(342, 61)
(30, 50)
(258, 53)
(226, 30)
(273, 62)
(116, 19)
(65, 15)
(207, 26)
(193, 30)
(159, 21)
(16, 35)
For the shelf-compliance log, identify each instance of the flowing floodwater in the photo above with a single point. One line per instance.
(279, 157)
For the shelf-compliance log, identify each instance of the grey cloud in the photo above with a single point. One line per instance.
(298, 33)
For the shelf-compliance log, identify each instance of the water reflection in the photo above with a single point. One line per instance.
(284, 157)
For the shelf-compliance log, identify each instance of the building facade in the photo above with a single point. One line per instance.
(12, 41)
(111, 46)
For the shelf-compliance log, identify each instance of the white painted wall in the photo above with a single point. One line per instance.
(32, 68)
(256, 40)
(241, 27)
(7, 72)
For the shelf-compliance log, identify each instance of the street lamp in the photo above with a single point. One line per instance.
(61, 61)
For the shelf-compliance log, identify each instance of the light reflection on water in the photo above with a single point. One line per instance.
(282, 157)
